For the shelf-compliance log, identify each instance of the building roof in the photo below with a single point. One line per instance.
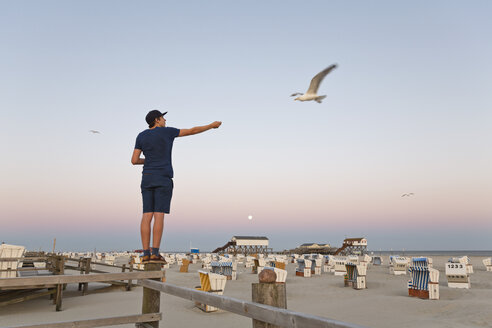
(354, 239)
(250, 237)
(311, 244)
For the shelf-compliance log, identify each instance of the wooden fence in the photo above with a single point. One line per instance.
(261, 312)
(151, 301)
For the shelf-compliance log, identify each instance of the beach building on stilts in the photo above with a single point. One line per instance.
(353, 246)
(245, 245)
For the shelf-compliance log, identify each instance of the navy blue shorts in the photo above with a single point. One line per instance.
(157, 191)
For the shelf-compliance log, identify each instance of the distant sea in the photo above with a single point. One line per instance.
(435, 253)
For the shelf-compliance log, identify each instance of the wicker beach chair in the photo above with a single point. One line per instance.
(9, 268)
(281, 274)
(303, 268)
(339, 265)
(184, 265)
(457, 274)
(355, 276)
(398, 265)
(225, 268)
(424, 282)
(210, 283)
(487, 263)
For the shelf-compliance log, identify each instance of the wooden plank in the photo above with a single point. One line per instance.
(101, 263)
(29, 287)
(66, 279)
(136, 318)
(27, 297)
(266, 313)
(22, 269)
(35, 259)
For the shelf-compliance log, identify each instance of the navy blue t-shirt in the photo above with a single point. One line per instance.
(157, 145)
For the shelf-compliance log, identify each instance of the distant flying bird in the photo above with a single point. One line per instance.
(94, 131)
(407, 195)
(311, 93)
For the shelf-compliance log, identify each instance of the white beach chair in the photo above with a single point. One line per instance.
(211, 283)
(355, 276)
(398, 265)
(487, 263)
(281, 274)
(317, 266)
(354, 259)
(464, 260)
(303, 268)
(11, 251)
(457, 274)
(377, 260)
(339, 265)
(365, 259)
(424, 282)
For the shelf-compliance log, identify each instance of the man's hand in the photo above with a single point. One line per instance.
(215, 124)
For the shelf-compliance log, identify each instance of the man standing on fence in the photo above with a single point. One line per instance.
(156, 143)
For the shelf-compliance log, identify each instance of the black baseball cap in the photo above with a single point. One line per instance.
(152, 115)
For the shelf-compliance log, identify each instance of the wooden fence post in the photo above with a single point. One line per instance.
(81, 267)
(129, 286)
(59, 270)
(87, 270)
(151, 301)
(274, 294)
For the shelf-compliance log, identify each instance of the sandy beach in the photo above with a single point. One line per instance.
(383, 304)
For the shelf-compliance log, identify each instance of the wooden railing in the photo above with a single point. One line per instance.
(261, 312)
(136, 318)
(150, 316)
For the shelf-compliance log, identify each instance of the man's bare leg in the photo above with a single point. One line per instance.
(157, 229)
(145, 229)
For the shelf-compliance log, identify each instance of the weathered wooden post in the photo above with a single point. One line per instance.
(81, 267)
(129, 286)
(270, 293)
(59, 270)
(87, 270)
(151, 301)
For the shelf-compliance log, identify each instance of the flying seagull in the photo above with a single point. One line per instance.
(94, 131)
(407, 195)
(311, 93)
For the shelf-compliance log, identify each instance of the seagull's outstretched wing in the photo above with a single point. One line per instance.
(404, 195)
(316, 81)
(296, 94)
(94, 131)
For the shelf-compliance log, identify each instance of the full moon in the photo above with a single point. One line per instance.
(250, 217)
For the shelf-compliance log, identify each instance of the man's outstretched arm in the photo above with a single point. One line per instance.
(136, 160)
(199, 129)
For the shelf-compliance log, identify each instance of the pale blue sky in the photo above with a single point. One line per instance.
(408, 110)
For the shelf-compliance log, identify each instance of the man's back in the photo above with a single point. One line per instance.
(156, 145)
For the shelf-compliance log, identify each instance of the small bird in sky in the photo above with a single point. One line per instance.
(94, 131)
(311, 93)
(407, 195)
